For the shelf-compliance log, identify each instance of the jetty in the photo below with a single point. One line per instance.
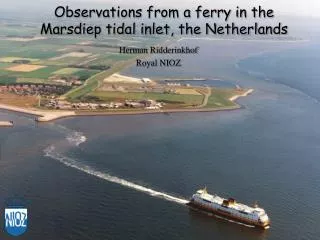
(6, 124)
(42, 116)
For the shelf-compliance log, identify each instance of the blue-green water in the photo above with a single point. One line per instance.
(129, 177)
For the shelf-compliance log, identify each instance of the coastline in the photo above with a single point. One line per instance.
(43, 116)
(235, 97)
(47, 116)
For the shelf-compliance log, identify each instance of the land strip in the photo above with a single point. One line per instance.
(43, 116)
(46, 116)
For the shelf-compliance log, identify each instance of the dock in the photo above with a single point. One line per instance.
(6, 124)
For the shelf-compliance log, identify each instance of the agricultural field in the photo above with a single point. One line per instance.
(27, 57)
(5, 65)
(14, 59)
(81, 74)
(187, 91)
(32, 49)
(93, 82)
(43, 72)
(33, 80)
(19, 101)
(25, 68)
(66, 71)
(40, 74)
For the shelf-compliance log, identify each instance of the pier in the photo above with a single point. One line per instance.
(6, 124)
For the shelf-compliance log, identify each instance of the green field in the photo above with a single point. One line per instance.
(170, 98)
(66, 71)
(26, 49)
(3, 65)
(65, 61)
(104, 57)
(109, 59)
(91, 84)
(82, 74)
(32, 80)
(220, 98)
(7, 79)
(40, 73)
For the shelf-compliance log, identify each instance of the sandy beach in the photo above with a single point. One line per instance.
(235, 97)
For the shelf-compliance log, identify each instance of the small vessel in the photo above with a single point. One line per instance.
(229, 209)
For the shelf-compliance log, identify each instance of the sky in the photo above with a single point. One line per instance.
(287, 7)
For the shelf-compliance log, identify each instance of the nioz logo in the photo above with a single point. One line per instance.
(16, 220)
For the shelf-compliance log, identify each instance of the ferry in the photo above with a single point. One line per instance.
(229, 209)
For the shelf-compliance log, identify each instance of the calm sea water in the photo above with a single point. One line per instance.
(129, 176)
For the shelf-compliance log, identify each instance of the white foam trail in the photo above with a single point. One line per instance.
(76, 138)
(70, 162)
(49, 152)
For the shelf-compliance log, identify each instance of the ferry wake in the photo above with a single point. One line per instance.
(230, 209)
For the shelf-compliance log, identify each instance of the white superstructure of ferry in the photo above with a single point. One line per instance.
(229, 209)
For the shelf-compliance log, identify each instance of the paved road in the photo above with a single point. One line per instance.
(206, 98)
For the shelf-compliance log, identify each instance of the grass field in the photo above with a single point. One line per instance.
(33, 80)
(64, 57)
(82, 74)
(66, 61)
(15, 100)
(42, 73)
(220, 98)
(109, 59)
(25, 68)
(93, 82)
(11, 73)
(27, 49)
(188, 91)
(7, 79)
(66, 71)
(3, 65)
(170, 98)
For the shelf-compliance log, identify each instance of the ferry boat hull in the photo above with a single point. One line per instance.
(229, 209)
(228, 216)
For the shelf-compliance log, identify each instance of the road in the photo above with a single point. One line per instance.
(206, 98)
